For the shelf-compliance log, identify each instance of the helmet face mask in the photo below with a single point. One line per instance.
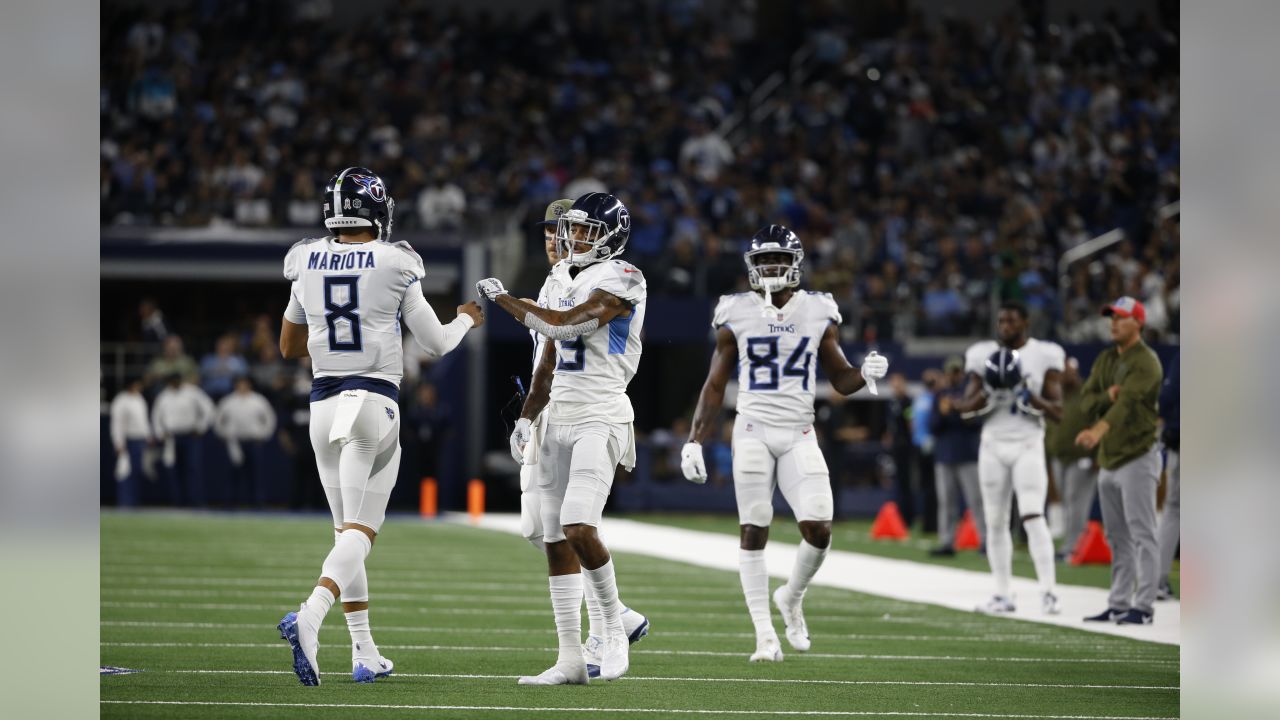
(595, 229)
(357, 198)
(775, 260)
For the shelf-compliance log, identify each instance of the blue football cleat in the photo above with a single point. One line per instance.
(1108, 615)
(366, 671)
(302, 665)
(1135, 617)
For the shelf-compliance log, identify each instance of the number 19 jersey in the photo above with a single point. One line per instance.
(351, 294)
(593, 371)
(777, 347)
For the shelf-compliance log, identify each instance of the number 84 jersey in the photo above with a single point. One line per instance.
(777, 352)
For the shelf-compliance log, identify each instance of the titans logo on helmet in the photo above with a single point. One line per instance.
(373, 185)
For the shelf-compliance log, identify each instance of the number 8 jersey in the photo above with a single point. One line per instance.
(352, 295)
(777, 352)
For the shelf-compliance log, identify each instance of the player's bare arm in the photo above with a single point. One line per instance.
(583, 319)
(845, 378)
(540, 384)
(1049, 401)
(293, 340)
(710, 400)
(974, 397)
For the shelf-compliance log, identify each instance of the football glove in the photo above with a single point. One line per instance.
(692, 463)
(490, 288)
(874, 366)
(520, 438)
(1023, 403)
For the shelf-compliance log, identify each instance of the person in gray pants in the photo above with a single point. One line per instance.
(955, 450)
(1122, 392)
(1171, 520)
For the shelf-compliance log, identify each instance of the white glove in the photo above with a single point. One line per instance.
(520, 436)
(874, 367)
(692, 464)
(490, 288)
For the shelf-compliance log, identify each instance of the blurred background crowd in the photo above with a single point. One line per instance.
(928, 167)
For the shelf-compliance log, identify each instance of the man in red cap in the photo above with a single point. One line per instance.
(1121, 396)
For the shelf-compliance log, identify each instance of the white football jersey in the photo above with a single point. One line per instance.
(550, 288)
(593, 371)
(777, 350)
(1037, 357)
(352, 294)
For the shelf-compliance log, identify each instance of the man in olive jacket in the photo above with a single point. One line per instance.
(1121, 396)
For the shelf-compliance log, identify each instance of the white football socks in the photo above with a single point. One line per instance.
(594, 616)
(1040, 545)
(358, 589)
(1000, 556)
(317, 606)
(566, 603)
(808, 559)
(346, 559)
(605, 590)
(755, 588)
(362, 645)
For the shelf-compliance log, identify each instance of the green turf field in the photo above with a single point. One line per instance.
(192, 600)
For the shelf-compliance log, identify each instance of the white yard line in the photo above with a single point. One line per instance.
(700, 653)
(487, 629)
(648, 711)
(898, 579)
(766, 681)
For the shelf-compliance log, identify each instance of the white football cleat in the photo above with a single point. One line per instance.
(615, 657)
(593, 651)
(635, 625)
(793, 618)
(1049, 604)
(997, 605)
(768, 649)
(303, 636)
(557, 675)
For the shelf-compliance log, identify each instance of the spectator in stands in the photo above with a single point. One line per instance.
(172, 361)
(956, 442)
(442, 203)
(1074, 470)
(220, 368)
(180, 417)
(153, 328)
(130, 434)
(246, 422)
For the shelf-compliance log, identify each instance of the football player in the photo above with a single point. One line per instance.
(1015, 382)
(774, 333)
(351, 292)
(634, 624)
(594, 315)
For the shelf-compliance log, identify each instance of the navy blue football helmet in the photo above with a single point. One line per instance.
(357, 197)
(1003, 370)
(606, 226)
(772, 276)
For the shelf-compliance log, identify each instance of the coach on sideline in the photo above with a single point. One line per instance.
(1121, 396)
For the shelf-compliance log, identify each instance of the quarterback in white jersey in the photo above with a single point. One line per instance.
(594, 315)
(634, 623)
(1015, 383)
(774, 334)
(350, 294)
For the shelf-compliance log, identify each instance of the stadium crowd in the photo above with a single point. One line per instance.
(930, 168)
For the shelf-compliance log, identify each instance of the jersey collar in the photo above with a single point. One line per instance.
(780, 313)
